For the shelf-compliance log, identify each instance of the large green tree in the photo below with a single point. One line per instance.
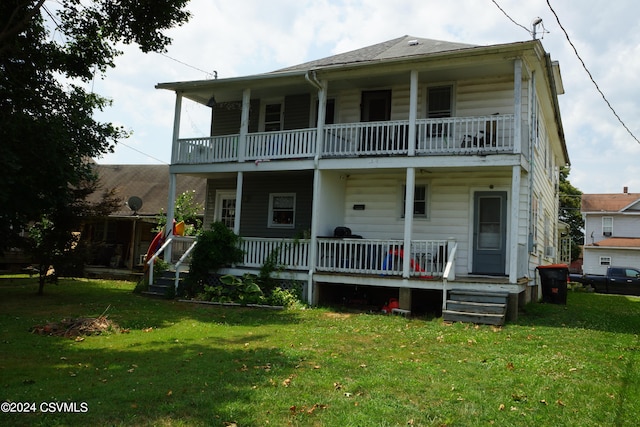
(49, 51)
(570, 200)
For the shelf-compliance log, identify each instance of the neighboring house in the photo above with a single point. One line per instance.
(467, 139)
(122, 239)
(612, 231)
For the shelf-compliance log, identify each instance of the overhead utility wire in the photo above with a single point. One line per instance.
(510, 18)
(590, 76)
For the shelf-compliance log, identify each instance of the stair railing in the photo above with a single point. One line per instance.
(181, 261)
(151, 260)
(449, 273)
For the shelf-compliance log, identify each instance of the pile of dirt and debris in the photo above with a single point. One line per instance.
(81, 326)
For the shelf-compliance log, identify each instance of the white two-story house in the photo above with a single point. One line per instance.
(413, 166)
(612, 231)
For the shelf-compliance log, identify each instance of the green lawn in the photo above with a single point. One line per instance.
(184, 364)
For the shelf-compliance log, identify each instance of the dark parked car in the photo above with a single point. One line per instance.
(618, 280)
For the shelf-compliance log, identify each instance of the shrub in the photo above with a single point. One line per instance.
(216, 248)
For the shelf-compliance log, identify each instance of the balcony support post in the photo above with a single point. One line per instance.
(413, 113)
(408, 221)
(517, 106)
(238, 206)
(513, 233)
(244, 124)
(176, 127)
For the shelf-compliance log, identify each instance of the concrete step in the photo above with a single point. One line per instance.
(485, 319)
(476, 307)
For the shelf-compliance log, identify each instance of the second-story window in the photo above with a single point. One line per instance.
(607, 226)
(273, 117)
(439, 102)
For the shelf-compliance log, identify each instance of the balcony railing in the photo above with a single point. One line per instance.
(289, 253)
(451, 135)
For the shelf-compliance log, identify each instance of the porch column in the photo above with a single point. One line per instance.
(413, 113)
(238, 206)
(313, 244)
(176, 128)
(244, 124)
(515, 222)
(517, 106)
(170, 213)
(408, 221)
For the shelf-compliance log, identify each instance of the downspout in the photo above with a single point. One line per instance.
(313, 244)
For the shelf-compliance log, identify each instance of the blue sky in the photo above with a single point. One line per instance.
(252, 36)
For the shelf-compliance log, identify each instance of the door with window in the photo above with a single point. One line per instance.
(490, 233)
(225, 210)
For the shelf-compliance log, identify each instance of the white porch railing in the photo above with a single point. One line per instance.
(300, 143)
(291, 254)
(427, 258)
(381, 257)
(449, 135)
(215, 149)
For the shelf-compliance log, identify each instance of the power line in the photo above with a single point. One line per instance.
(143, 153)
(590, 76)
(208, 74)
(511, 19)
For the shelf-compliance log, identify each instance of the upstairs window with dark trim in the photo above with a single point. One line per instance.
(439, 102)
(439, 106)
(273, 117)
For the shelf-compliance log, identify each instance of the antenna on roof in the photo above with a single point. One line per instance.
(536, 21)
(134, 203)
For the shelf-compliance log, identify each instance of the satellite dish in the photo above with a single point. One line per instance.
(134, 203)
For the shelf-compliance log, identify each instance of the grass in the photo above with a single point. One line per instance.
(185, 364)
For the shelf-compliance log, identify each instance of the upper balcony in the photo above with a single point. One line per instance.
(442, 136)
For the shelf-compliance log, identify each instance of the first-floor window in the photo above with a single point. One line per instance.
(282, 210)
(420, 201)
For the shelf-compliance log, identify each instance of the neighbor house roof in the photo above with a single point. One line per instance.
(619, 242)
(401, 47)
(148, 182)
(609, 202)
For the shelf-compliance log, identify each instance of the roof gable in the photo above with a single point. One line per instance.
(610, 202)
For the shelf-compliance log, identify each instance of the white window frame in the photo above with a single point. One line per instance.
(263, 113)
(607, 228)
(270, 222)
(220, 196)
(605, 260)
(427, 201)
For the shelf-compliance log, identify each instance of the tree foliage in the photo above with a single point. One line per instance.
(49, 52)
(187, 209)
(53, 240)
(570, 201)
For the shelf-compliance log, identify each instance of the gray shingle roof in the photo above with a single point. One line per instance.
(401, 47)
(149, 182)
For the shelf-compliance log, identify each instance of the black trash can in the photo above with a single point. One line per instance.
(554, 280)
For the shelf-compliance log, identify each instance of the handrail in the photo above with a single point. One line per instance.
(447, 274)
(181, 260)
(155, 255)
